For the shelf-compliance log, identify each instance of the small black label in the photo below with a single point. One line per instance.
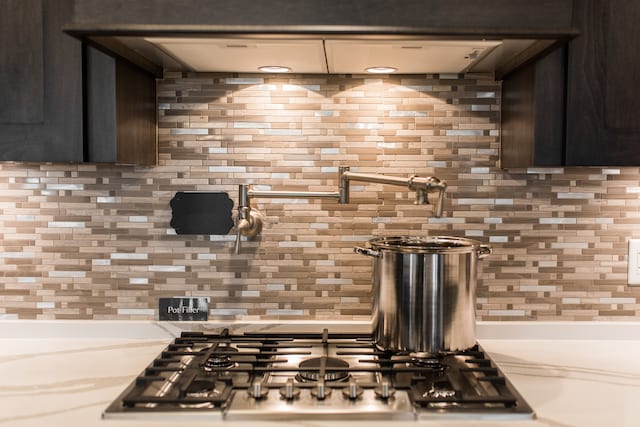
(184, 309)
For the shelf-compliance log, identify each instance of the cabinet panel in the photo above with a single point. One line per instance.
(21, 62)
(622, 65)
(55, 134)
(603, 95)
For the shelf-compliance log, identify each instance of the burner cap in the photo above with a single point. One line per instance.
(427, 362)
(329, 375)
(219, 360)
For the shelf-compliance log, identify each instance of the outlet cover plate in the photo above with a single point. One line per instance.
(633, 271)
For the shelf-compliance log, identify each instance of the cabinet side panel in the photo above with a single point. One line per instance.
(517, 119)
(135, 115)
(101, 106)
(549, 104)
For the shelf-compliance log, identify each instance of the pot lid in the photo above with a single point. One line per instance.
(435, 244)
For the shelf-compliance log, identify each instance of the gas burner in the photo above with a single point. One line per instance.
(440, 390)
(329, 375)
(219, 360)
(432, 362)
(201, 389)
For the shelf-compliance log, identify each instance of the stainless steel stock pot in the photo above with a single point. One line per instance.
(424, 292)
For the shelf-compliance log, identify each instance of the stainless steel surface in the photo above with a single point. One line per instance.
(294, 194)
(421, 185)
(424, 292)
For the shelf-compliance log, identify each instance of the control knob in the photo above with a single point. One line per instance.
(321, 391)
(257, 391)
(352, 391)
(289, 392)
(385, 391)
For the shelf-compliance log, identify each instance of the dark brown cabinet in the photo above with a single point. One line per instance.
(40, 82)
(603, 91)
(60, 103)
(580, 105)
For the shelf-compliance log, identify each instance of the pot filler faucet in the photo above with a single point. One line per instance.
(249, 221)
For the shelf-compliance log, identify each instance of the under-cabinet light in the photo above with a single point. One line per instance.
(274, 69)
(381, 70)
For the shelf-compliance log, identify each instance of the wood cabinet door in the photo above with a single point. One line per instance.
(40, 82)
(603, 94)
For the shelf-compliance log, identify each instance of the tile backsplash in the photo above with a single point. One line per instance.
(88, 241)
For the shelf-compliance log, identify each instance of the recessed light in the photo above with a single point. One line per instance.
(274, 69)
(381, 70)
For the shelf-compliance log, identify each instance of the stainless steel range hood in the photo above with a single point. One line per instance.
(324, 36)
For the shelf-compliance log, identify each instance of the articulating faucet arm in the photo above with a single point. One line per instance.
(421, 185)
(249, 221)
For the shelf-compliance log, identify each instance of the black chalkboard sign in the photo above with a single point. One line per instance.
(201, 213)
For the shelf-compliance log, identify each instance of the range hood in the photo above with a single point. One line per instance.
(324, 36)
(320, 56)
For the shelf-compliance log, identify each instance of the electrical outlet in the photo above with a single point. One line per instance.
(633, 271)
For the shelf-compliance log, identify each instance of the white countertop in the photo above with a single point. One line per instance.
(65, 373)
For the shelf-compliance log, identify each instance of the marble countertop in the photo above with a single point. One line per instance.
(66, 373)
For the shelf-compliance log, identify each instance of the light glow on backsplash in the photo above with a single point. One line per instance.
(91, 241)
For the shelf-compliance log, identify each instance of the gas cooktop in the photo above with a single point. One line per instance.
(278, 376)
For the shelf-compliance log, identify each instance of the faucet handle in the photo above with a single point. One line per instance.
(421, 197)
(249, 224)
(421, 190)
(441, 186)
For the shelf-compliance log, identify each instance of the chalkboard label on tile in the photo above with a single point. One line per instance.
(184, 309)
(201, 213)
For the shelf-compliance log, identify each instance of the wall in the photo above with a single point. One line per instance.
(94, 241)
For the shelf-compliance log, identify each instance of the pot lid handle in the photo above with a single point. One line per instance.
(366, 251)
(483, 251)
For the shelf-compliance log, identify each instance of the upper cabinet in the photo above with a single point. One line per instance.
(603, 90)
(60, 103)
(40, 82)
(580, 105)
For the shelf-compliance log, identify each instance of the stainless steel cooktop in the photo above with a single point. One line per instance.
(289, 376)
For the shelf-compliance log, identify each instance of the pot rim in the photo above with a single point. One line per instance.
(427, 245)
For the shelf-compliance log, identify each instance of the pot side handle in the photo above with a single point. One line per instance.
(484, 251)
(366, 251)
